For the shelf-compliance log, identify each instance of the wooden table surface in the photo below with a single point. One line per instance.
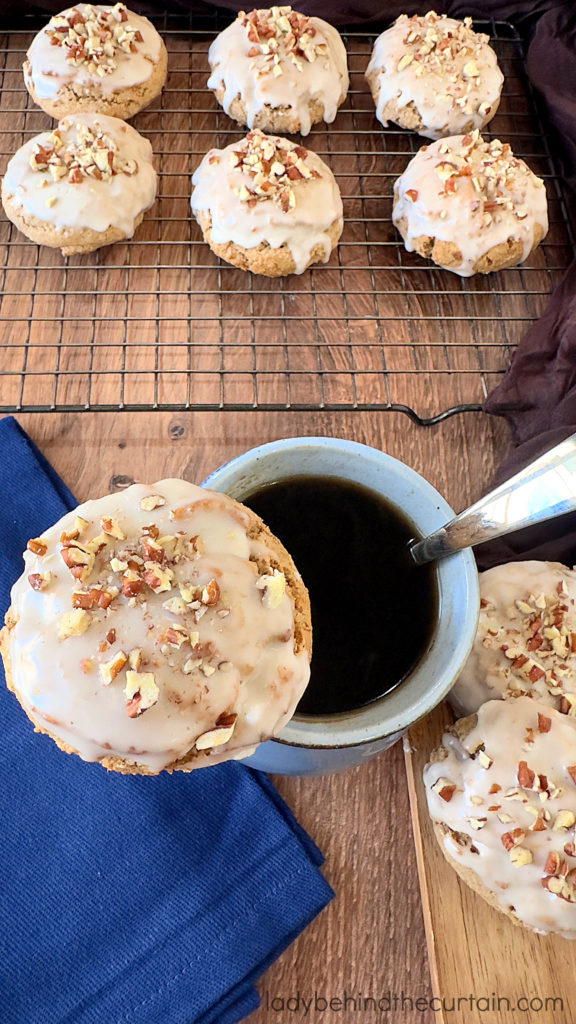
(370, 941)
(166, 313)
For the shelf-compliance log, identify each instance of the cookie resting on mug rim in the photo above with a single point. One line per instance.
(161, 627)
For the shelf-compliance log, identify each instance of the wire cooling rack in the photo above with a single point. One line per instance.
(160, 322)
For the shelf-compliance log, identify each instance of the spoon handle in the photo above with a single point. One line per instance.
(542, 490)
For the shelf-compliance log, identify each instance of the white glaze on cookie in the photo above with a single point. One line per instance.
(526, 638)
(274, 72)
(510, 787)
(216, 634)
(472, 193)
(49, 69)
(439, 64)
(89, 202)
(253, 196)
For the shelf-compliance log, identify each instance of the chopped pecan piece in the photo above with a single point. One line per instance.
(37, 547)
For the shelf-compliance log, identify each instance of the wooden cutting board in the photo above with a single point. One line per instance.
(501, 973)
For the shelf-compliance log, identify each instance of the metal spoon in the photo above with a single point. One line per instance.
(542, 490)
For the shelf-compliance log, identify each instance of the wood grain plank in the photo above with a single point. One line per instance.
(159, 320)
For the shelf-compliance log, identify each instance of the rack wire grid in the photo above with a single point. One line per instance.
(159, 322)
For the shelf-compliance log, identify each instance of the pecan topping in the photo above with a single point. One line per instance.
(564, 820)
(210, 593)
(92, 154)
(131, 585)
(537, 647)
(226, 719)
(158, 579)
(558, 879)
(73, 623)
(498, 179)
(273, 585)
(281, 33)
(152, 501)
(94, 596)
(553, 863)
(94, 37)
(525, 775)
(151, 551)
(439, 47)
(220, 734)
(112, 528)
(110, 669)
(37, 581)
(513, 838)
(141, 692)
(444, 788)
(78, 558)
(37, 547)
(271, 166)
(175, 636)
(520, 856)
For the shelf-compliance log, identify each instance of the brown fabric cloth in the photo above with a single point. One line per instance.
(349, 12)
(538, 392)
(551, 66)
(338, 12)
(537, 395)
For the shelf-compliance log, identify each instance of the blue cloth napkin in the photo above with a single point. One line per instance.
(126, 899)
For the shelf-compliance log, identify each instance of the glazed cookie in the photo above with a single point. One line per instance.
(267, 205)
(434, 75)
(470, 206)
(161, 627)
(84, 185)
(90, 58)
(279, 70)
(526, 638)
(501, 791)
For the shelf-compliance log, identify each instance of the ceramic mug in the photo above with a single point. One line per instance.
(316, 745)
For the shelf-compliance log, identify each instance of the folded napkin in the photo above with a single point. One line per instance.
(131, 899)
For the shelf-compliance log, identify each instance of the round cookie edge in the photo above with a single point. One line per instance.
(302, 640)
(122, 103)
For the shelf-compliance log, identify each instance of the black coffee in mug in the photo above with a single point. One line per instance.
(373, 610)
